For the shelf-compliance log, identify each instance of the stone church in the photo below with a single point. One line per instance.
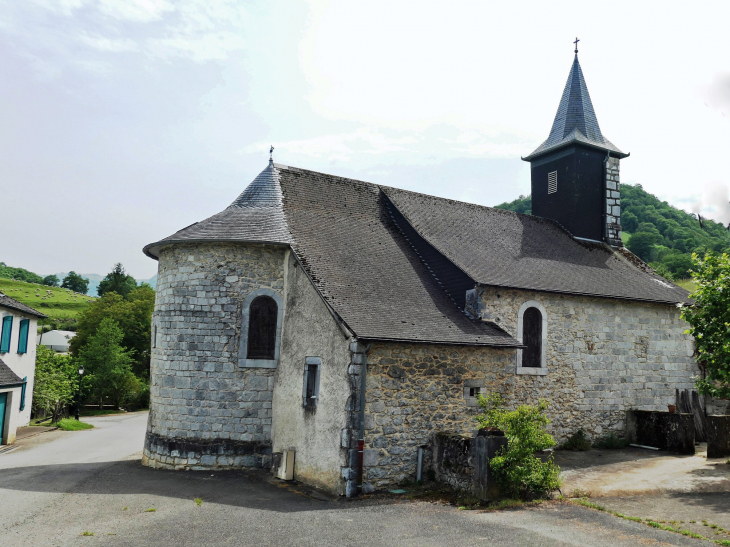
(350, 322)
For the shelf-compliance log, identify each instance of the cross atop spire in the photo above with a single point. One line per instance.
(576, 45)
(271, 154)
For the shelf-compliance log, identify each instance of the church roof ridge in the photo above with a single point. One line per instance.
(575, 121)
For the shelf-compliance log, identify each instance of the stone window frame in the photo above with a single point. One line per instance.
(534, 371)
(243, 361)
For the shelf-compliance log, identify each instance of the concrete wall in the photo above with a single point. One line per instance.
(604, 357)
(314, 433)
(205, 410)
(22, 364)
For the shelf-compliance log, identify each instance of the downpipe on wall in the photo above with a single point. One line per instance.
(361, 437)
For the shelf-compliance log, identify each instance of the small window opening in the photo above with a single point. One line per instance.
(474, 391)
(532, 338)
(311, 381)
(262, 328)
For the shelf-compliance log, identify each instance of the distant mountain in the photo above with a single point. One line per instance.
(658, 233)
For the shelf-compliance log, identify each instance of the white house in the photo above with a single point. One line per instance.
(18, 327)
(57, 340)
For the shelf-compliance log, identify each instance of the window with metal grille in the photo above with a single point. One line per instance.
(552, 182)
(532, 338)
(262, 328)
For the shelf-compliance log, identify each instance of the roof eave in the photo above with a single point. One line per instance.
(513, 344)
(613, 153)
(151, 248)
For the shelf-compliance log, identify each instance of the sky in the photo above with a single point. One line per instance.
(124, 121)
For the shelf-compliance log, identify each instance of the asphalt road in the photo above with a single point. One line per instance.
(59, 485)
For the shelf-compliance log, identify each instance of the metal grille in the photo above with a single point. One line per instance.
(552, 182)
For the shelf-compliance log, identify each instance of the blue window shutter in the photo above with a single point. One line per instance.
(22, 394)
(7, 330)
(23, 336)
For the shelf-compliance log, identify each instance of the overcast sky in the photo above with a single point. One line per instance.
(123, 121)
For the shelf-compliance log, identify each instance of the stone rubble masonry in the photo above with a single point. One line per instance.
(417, 390)
(613, 203)
(604, 357)
(205, 411)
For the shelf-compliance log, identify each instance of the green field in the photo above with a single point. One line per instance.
(687, 284)
(59, 304)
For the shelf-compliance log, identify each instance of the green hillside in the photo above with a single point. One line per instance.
(60, 305)
(657, 232)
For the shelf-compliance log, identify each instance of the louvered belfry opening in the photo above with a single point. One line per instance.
(532, 338)
(262, 328)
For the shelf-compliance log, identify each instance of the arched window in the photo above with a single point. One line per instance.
(262, 328)
(262, 313)
(532, 337)
(532, 332)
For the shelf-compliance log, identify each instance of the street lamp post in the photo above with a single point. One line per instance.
(78, 395)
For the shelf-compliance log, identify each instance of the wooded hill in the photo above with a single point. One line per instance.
(656, 232)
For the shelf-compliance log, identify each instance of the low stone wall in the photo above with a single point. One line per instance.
(462, 462)
(452, 460)
(673, 432)
(718, 436)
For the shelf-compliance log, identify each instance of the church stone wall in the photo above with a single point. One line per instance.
(603, 358)
(205, 411)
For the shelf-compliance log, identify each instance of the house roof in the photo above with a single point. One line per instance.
(575, 121)
(7, 376)
(7, 302)
(383, 285)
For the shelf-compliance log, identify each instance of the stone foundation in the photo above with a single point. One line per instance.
(168, 453)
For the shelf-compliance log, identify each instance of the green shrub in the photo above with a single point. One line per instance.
(519, 473)
(610, 442)
(577, 441)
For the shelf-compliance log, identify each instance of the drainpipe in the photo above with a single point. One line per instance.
(361, 438)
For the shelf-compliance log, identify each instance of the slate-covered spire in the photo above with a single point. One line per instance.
(575, 121)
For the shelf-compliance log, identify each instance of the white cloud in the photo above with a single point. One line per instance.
(142, 11)
(718, 93)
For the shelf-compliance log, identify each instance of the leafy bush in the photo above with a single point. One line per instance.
(577, 441)
(518, 471)
(610, 442)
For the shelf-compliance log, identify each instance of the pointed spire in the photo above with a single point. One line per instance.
(575, 120)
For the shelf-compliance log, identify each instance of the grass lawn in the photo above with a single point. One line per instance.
(687, 284)
(55, 302)
(70, 424)
(91, 412)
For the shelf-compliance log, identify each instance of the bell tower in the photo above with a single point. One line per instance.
(575, 172)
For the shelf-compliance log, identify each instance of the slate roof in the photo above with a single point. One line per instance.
(575, 121)
(7, 376)
(506, 249)
(375, 254)
(256, 215)
(7, 302)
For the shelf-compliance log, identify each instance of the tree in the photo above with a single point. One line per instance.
(709, 321)
(134, 317)
(76, 283)
(51, 281)
(629, 221)
(117, 281)
(55, 384)
(642, 245)
(108, 364)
